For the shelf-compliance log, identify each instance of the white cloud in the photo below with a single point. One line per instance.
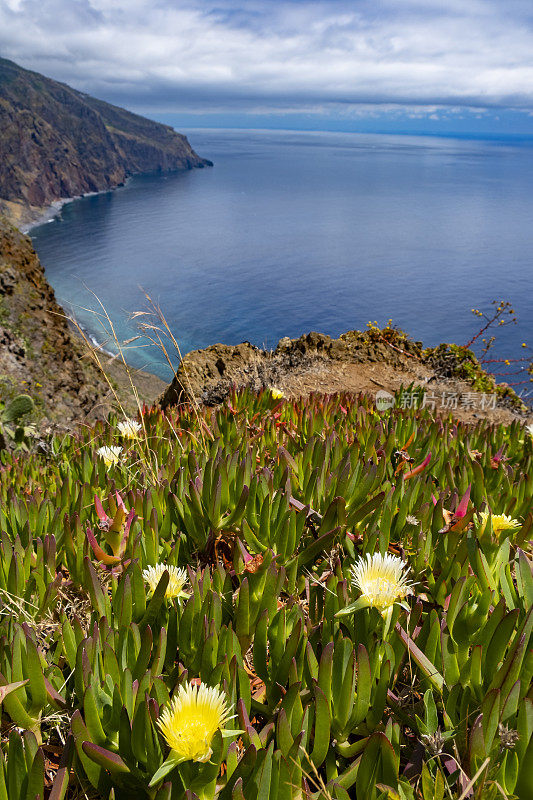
(177, 56)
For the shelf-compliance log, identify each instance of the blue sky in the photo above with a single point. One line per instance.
(426, 66)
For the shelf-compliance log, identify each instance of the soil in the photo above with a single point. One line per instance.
(443, 395)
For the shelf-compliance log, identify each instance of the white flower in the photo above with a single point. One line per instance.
(177, 580)
(129, 428)
(111, 455)
(382, 580)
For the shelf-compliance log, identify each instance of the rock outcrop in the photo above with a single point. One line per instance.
(357, 362)
(56, 143)
(208, 375)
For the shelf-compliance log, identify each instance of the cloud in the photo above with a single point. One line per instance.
(158, 55)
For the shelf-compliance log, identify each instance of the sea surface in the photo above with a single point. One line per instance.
(291, 232)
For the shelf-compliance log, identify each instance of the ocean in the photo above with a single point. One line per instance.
(297, 231)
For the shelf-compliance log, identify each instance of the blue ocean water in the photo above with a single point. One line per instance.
(291, 232)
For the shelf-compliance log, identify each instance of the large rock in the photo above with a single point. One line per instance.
(208, 375)
(358, 361)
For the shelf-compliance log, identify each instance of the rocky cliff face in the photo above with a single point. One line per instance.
(39, 355)
(57, 143)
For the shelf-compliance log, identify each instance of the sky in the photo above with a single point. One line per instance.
(414, 66)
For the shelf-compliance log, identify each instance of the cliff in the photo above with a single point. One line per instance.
(39, 353)
(56, 142)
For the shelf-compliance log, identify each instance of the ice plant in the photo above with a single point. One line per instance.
(500, 522)
(192, 719)
(115, 529)
(189, 725)
(177, 580)
(382, 581)
(111, 455)
(129, 428)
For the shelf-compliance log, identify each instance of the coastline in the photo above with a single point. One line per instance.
(49, 213)
(114, 363)
(89, 338)
(149, 385)
(25, 217)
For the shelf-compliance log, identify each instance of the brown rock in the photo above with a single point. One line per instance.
(356, 362)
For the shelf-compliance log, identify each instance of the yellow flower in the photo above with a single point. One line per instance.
(382, 580)
(500, 522)
(192, 719)
(277, 394)
(111, 455)
(129, 428)
(529, 429)
(177, 580)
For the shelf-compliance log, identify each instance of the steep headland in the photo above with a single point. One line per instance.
(57, 143)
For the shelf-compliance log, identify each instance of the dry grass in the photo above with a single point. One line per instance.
(154, 331)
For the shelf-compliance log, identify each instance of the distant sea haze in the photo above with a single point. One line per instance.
(291, 232)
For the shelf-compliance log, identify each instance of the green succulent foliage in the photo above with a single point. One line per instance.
(22, 662)
(11, 415)
(22, 769)
(267, 504)
(17, 408)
